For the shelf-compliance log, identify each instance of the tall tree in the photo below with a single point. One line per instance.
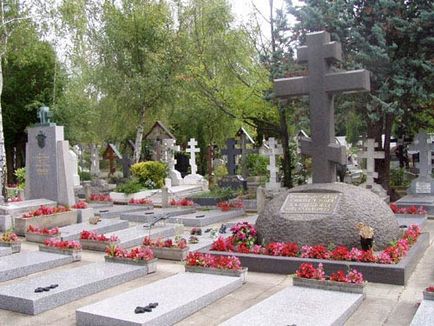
(392, 39)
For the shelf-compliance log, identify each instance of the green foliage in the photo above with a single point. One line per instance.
(217, 192)
(130, 187)
(220, 171)
(21, 177)
(150, 174)
(84, 175)
(398, 178)
(257, 164)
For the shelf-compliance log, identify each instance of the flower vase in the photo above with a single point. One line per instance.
(366, 243)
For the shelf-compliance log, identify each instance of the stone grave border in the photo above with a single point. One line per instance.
(397, 274)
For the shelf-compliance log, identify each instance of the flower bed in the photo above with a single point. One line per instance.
(168, 249)
(181, 202)
(35, 234)
(428, 293)
(69, 247)
(100, 198)
(244, 237)
(10, 239)
(96, 241)
(45, 217)
(140, 202)
(226, 206)
(136, 256)
(412, 210)
(84, 212)
(309, 276)
(197, 262)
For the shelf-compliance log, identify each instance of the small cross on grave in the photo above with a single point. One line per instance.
(370, 155)
(321, 84)
(44, 115)
(170, 148)
(425, 147)
(231, 153)
(192, 150)
(274, 149)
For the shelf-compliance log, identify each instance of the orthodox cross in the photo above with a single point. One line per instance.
(170, 148)
(321, 84)
(193, 150)
(274, 149)
(370, 155)
(423, 144)
(231, 153)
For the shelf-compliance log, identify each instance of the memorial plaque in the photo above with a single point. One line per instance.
(423, 187)
(310, 203)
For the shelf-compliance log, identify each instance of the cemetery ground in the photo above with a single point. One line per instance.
(384, 304)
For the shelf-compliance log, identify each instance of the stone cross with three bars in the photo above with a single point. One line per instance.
(370, 155)
(193, 150)
(274, 149)
(321, 84)
(425, 147)
(170, 148)
(231, 153)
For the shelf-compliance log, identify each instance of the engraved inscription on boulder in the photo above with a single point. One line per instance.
(312, 203)
(423, 187)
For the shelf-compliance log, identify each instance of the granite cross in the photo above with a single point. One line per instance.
(425, 147)
(193, 150)
(274, 149)
(231, 153)
(321, 84)
(370, 155)
(44, 115)
(170, 148)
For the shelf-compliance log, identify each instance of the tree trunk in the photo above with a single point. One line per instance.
(3, 171)
(139, 137)
(383, 167)
(284, 138)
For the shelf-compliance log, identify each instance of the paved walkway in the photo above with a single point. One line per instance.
(384, 304)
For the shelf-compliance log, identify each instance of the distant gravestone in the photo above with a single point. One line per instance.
(231, 153)
(326, 211)
(49, 170)
(423, 184)
(155, 137)
(321, 85)
(74, 168)
(169, 149)
(94, 160)
(274, 149)
(193, 178)
(244, 141)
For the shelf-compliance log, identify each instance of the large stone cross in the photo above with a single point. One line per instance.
(170, 148)
(193, 150)
(44, 115)
(274, 149)
(231, 153)
(425, 147)
(370, 155)
(321, 84)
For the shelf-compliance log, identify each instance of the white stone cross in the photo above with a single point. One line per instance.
(274, 149)
(370, 155)
(425, 147)
(192, 150)
(170, 148)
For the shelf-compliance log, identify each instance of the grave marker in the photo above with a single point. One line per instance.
(245, 139)
(192, 150)
(169, 149)
(321, 85)
(370, 155)
(425, 147)
(231, 153)
(274, 149)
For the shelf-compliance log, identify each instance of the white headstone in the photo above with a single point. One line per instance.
(94, 160)
(74, 168)
(274, 149)
(370, 155)
(169, 149)
(192, 150)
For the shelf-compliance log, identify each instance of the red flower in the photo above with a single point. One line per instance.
(339, 276)
(339, 253)
(80, 205)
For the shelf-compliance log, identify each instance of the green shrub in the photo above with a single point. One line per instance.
(257, 164)
(150, 174)
(220, 171)
(84, 175)
(130, 187)
(217, 192)
(21, 177)
(398, 178)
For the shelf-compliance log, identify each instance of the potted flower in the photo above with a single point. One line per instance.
(35, 234)
(428, 293)
(309, 276)
(57, 246)
(411, 211)
(96, 241)
(101, 199)
(143, 256)
(45, 217)
(140, 202)
(168, 249)
(84, 212)
(10, 239)
(197, 262)
(366, 236)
